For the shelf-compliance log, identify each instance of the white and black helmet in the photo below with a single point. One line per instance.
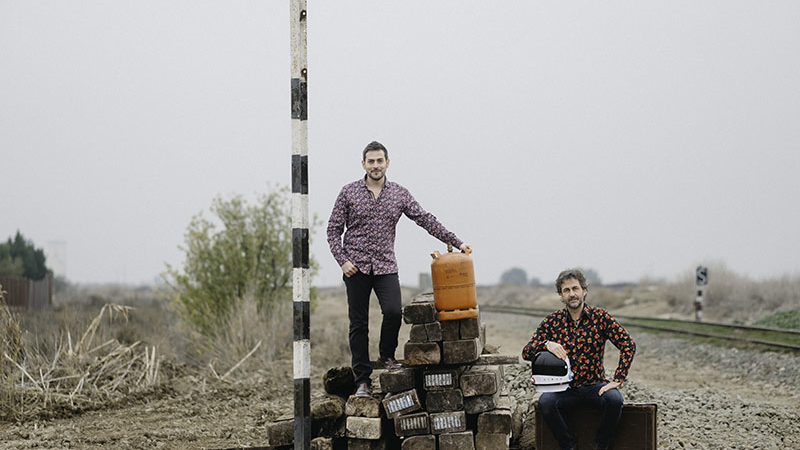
(550, 373)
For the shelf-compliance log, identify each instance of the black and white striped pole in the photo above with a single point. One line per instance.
(701, 280)
(300, 276)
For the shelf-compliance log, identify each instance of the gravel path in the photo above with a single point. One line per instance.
(708, 397)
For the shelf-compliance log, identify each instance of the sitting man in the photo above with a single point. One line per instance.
(579, 332)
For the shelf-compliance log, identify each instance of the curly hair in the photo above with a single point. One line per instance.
(575, 274)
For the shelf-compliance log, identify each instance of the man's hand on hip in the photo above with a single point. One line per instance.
(349, 269)
(609, 386)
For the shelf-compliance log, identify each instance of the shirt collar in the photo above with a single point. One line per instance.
(386, 184)
(587, 312)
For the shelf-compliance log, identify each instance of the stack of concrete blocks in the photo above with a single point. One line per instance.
(446, 396)
(442, 399)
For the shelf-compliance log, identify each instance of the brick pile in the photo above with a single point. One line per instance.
(448, 395)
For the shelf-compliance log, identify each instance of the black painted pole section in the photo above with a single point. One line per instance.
(300, 258)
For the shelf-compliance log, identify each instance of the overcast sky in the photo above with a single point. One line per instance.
(637, 138)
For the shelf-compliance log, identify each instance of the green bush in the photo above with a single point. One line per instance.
(245, 253)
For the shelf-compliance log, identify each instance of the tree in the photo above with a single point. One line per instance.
(19, 257)
(247, 252)
(514, 276)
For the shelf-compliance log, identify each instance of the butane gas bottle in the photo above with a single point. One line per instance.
(453, 285)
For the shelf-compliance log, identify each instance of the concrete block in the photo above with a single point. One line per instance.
(322, 443)
(362, 407)
(412, 424)
(421, 312)
(495, 359)
(470, 328)
(448, 422)
(444, 400)
(457, 441)
(339, 381)
(506, 402)
(491, 441)
(377, 389)
(393, 381)
(333, 428)
(460, 352)
(364, 427)
(366, 444)
(424, 297)
(281, 432)
(423, 442)
(480, 403)
(440, 379)
(421, 353)
(497, 421)
(402, 403)
(327, 407)
(418, 333)
(450, 330)
(501, 376)
(434, 330)
(480, 381)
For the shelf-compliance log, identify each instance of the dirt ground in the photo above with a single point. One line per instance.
(193, 410)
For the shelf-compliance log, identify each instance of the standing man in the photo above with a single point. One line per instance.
(367, 212)
(579, 332)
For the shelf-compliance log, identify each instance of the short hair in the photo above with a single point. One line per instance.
(571, 274)
(372, 146)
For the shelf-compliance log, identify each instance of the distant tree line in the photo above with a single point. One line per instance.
(517, 276)
(20, 258)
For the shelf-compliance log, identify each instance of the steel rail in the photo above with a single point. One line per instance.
(631, 322)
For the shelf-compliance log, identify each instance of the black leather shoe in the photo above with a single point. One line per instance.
(363, 390)
(389, 363)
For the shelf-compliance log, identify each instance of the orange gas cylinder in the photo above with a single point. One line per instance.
(453, 285)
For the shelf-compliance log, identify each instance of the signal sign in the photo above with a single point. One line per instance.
(701, 275)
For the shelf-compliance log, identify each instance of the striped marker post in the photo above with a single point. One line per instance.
(300, 278)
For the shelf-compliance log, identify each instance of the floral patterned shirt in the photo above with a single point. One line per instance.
(584, 342)
(370, 226)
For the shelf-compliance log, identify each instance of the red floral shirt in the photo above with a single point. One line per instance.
(369, 239)
(584, 342)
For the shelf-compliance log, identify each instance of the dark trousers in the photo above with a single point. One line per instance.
(359, 288)
(554, 405)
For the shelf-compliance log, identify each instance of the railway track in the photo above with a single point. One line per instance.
(765, 336)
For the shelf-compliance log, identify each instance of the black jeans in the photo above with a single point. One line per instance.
(555, 404)
(359, 288)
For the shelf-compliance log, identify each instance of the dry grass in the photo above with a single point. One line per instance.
(248, 340)
(79, 375)
(730, 296)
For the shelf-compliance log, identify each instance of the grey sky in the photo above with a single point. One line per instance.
(635, 138)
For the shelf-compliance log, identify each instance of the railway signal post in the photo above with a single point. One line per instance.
(701, 280)
(300, 258)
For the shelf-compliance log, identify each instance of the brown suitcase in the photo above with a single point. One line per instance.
(636, 430)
